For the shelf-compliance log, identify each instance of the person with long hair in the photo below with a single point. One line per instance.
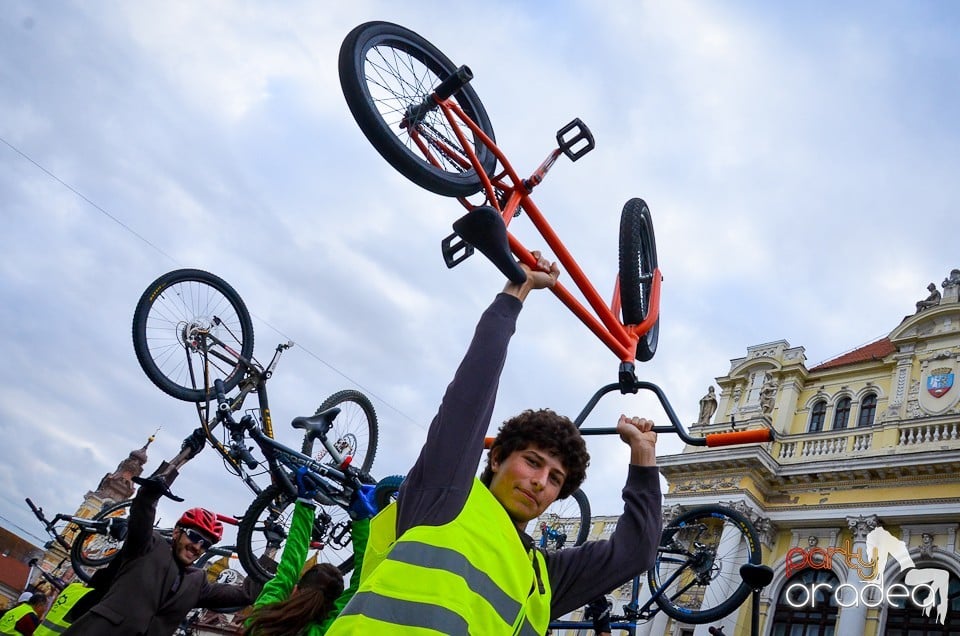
(290, 607)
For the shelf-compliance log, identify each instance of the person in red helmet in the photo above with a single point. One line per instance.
(154, 583)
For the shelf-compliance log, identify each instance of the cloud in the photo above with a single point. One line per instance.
(799, 168)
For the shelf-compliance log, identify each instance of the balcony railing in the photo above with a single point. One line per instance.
(826, 444)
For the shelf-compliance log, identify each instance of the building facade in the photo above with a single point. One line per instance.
(857, 499)
(866, 455)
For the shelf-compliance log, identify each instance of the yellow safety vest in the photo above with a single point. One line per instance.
(55, 621)
(470, 576)
(9, 621)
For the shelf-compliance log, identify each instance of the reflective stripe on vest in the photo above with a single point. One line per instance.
(472, 575)
(8, 623)
(55, 621)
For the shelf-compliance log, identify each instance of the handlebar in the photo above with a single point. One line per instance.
(629, 384)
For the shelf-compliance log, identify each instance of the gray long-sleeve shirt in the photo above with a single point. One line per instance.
(437, 486)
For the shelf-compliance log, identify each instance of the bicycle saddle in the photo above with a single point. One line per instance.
(756, 576)
(483, 228)
(317, 425)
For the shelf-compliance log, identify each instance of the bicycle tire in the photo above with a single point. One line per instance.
(354, 430)
(384, 70)
(171, 307)
(275, 506)
(386, 491)
(717, 564)
(91, 551)
(572, 514)
(638, 260)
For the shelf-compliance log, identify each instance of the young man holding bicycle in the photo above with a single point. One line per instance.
(453, 556)
(155, 584)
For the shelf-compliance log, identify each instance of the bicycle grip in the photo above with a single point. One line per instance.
(739, 437)
(454, 82)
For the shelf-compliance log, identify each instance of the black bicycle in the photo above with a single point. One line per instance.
(696, 576)
(334, 480)
(190, 329)
(93, 542)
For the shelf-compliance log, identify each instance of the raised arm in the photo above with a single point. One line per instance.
(440, 480)
(580, 574)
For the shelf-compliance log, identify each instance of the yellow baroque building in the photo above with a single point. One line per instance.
(866, 442)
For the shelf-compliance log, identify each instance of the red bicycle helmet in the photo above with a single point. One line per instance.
(204, 521)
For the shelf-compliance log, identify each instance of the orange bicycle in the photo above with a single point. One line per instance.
(419, 111)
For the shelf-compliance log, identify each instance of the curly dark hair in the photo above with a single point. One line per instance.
(550, 431)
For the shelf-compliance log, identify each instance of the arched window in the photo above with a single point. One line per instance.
(817, 415)
(868, 409)
(807, 605)
(904, 618)
(841, 415)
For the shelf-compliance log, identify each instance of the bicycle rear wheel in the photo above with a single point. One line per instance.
(385, 71)
(696, 577)
(354, 431)
(265, 525)
(91, 550)
(638, 259)
(172, 328)
(569, 517)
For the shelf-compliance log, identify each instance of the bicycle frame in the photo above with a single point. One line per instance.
(633, 613)
(600, 318)
(254, 381)
(336, 481)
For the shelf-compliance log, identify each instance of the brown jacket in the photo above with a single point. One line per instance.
(152, 593)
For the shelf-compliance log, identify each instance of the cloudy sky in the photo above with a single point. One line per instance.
(799, 162)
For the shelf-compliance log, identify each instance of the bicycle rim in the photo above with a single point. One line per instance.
(638, 260)
(570, 518)
(696, 577)
(354, 432)
(91, 551)
(171, 327)
(331, 541)
(385, 69)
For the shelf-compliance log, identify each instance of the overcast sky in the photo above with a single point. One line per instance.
(800, 164)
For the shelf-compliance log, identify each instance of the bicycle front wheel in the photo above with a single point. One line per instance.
(696, 577)
(386, 491)
(565, 522)
(265, 526)
(638, 259)
(190, 328)
(92, 550)
(354, 431)
(386, 72)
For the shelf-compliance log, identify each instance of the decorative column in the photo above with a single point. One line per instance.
(733, 553)
(853, 619)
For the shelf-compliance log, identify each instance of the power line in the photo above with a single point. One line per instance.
(127, 228)
(23, 530)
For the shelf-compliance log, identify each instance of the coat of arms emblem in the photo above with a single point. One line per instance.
(939, 381)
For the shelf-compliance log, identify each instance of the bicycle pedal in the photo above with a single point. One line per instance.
(575, 139)
(455, 250)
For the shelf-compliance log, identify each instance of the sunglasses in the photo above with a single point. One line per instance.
(195, 537)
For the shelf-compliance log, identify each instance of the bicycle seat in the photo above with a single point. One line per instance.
(755, 575)
(484, 229)
(317, 425)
